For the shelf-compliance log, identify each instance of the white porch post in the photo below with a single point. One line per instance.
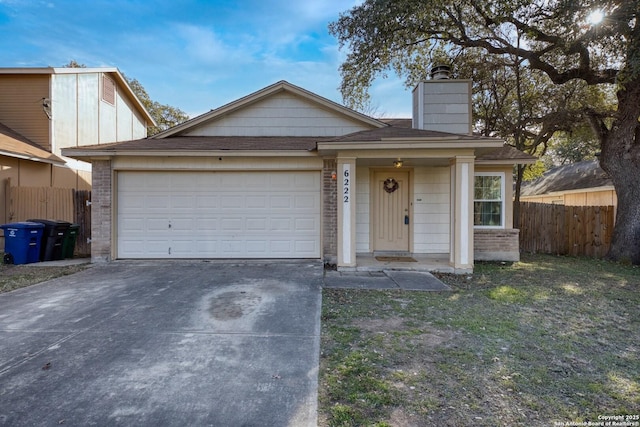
(346, 211)
(461, 239)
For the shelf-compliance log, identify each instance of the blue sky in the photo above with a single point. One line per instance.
(192, 54)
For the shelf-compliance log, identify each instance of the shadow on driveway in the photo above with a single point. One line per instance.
(164, 343)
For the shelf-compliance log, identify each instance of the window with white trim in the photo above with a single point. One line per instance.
(488, 200)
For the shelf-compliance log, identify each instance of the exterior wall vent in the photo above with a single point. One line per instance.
(108, 90)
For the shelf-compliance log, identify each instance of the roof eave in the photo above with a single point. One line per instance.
(80, 154)
(571, 191)
(498, 162)
(53, 159)
(405, 144)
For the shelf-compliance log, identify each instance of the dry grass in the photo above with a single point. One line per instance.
(547, 340)
(18, 276)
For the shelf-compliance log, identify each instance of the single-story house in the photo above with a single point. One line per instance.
(286, 173)
(574, 184)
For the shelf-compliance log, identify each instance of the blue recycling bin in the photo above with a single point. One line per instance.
(22, 242)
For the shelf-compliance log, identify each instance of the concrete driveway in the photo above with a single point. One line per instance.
(164, 343)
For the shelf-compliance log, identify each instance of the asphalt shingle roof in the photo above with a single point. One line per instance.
(574, 176)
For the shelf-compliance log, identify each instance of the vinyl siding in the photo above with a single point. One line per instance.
(363, 203)
(21, 106)
(280, 115)
(431, 210)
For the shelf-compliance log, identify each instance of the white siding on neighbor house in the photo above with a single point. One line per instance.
(130, 124)
(119, 122)
(64, 96)
(281, 114)
(431, 211)
(88, 109)
(82, 118)
(124, 122)
(108, 117)
(363, 194)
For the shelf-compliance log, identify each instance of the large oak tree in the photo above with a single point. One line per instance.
(555, 37)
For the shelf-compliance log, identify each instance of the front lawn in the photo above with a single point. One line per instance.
(543, 342)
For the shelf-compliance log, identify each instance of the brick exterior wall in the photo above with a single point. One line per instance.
(496, 245)
(329, 212)
(101, 211)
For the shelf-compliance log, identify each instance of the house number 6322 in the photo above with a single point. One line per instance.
(346, 186)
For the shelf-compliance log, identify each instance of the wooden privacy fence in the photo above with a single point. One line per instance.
(62, 204)
(566, 230)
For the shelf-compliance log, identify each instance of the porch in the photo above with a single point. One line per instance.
(369, 262)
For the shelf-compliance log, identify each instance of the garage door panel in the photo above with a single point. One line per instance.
(257, 246)
(187, 225)
(256, 224)
(231, 201)
(307, 224)
(218, 214)
(206, 225)
(304, 246)
(306, 202)
(280, 246)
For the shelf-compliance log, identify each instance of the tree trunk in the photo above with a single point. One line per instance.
(625, 242)
(620, 158)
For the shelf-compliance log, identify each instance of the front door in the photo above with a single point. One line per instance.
(390, 208)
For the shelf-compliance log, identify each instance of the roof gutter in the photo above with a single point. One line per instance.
(78, 153)
(54, 160)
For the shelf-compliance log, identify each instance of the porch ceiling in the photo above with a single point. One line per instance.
(407, 163)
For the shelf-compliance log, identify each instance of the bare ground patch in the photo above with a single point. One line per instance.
(19, 276)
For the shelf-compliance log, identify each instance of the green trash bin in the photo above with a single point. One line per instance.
(69, 242)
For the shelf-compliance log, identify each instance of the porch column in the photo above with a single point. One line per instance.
(461, 238)
(346, 211)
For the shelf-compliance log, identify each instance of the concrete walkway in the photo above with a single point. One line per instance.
(164, 343)
(386, 279)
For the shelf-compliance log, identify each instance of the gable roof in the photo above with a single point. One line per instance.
(13, 144)
(281, 86)
(574, 176)
(113, 72)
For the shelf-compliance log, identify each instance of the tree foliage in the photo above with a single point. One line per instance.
(164, 115)
(548, 39)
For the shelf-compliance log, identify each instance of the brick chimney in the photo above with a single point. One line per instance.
(442, 104)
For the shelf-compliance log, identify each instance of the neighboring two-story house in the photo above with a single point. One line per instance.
(43, 110)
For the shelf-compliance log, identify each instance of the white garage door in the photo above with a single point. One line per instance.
(218, 215)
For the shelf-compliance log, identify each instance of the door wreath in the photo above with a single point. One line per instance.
(390, 185)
